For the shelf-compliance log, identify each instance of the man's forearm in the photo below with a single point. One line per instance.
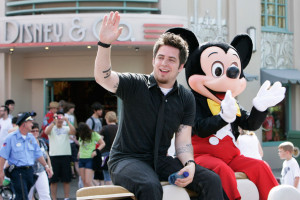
(296, 182)
(72, 129)
(185, 153)
(104, 75)
(102, 69)
(2, 161)
(183, 144)
(42, 161)
(49, 128)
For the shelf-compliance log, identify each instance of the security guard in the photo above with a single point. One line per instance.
(20, 149)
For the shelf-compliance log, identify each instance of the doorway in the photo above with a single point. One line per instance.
(83, 93)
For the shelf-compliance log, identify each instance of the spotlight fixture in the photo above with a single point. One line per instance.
(11, 50)
(47, 48)
(137, 49)
(89, 47)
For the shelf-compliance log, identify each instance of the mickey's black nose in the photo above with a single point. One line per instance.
(232, 72)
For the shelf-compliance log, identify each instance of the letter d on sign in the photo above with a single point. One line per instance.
(11, 32)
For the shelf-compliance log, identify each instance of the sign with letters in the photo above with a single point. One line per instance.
(73, 29)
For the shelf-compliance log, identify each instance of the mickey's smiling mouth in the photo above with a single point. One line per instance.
(219, 95)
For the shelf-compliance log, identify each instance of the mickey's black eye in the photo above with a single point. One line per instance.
(217, 69)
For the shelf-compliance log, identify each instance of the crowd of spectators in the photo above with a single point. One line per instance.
(63, 145)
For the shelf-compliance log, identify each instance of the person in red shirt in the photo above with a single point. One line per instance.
(53, 107)
(268, 127)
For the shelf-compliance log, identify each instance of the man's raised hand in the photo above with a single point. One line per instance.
(110, 30)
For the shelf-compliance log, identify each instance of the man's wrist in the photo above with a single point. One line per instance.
(189, 161)
(46, 166)
(104, 45)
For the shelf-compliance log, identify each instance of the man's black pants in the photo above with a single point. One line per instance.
(139, 178)
(22, 183)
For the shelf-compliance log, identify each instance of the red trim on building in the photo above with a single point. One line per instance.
(163, 25)
(153, 31)
(151, 36)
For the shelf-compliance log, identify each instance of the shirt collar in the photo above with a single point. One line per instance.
(19, 134)
(152, 82)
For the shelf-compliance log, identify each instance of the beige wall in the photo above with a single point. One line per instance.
(168, 8)
(2, 79)
(20, 88)
(37, 96)
(81, 64)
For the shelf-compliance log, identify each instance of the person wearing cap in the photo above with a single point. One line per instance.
(20, 149)
(53, 108)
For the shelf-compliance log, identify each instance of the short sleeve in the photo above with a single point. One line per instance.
(89, 123)
(6, 148)
(189, 108)
(128, 83)
(96, 137)
(296, 170)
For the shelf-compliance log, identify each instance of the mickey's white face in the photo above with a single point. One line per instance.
(221, 73)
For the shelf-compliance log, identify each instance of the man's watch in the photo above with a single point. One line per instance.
(46, 166)
(104, 45)
(189, 161)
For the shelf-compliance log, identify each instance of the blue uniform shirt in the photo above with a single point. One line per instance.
(19, 151)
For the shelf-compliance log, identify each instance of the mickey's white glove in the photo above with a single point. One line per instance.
(268, 96)
(228, 108)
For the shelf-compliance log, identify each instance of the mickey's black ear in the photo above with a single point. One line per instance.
(188, 36)
(243, 44)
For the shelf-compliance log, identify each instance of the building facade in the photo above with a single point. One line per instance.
(48, 47)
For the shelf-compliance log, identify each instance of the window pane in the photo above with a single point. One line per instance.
(271, 21)
(271, 9)
(271, 1)
(281, 22)
(263, 21)
(281, 1)
(262, 8)
(274, 128)
(281, 11)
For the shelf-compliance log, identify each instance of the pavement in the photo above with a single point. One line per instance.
(73, 189)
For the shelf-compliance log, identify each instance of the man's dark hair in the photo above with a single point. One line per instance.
(173, 40)
(60, 113)
(97, 106)
(5, 108)
(68, 106)
(9, 101)
(14, 120)
(35, 125)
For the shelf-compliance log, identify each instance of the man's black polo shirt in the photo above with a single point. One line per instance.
(141, 98)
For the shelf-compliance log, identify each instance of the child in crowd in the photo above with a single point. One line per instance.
(290, 168)
(87, 142)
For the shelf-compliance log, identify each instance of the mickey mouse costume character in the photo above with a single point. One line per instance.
(214, 72)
